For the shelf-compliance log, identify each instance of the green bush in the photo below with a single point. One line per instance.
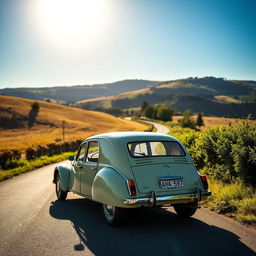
(7, 156)
(226, 153)
(228, 156)
(187, 120)
(25, 165)
(234, 199)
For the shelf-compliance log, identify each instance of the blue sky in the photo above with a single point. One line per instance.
(72, 42)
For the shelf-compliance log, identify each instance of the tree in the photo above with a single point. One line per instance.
(144, 105)
(164, 113)
(35, 106)
(200, 121)
(33, 113)
(150, 112)
(187, 120)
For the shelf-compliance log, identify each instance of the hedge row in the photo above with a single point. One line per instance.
(225, 153)
(52, 149)
(7, 156)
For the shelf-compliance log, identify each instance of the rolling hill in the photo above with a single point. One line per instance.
(76, 93)
(212, 96)
(21, 127)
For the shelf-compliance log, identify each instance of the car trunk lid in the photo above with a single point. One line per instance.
(164, 174)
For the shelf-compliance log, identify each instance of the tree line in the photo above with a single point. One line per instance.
(165, 113)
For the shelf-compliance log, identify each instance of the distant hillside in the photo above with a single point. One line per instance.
(212, 96)
(20, 128)
(76, 93)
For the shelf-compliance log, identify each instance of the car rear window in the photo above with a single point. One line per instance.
(155, 148)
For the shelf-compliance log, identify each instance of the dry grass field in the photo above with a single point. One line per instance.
(47, 127)
(128, 94)
(210, 121)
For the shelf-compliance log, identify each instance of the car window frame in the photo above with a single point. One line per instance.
(79, 149)
(87, 151)
(150, 152)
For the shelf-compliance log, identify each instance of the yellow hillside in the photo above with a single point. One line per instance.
(124, 94)
(47, 127)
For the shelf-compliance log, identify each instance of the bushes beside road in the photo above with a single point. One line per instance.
(9, 158)
(227, 155)
(23, 166)
(52, 149)
(11, 163)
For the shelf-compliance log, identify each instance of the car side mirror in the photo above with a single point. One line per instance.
(71, 158)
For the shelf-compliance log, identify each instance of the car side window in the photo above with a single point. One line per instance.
(93, 152)
(81, 153)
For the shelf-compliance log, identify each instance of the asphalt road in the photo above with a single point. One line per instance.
(32, 222)
(160, 128)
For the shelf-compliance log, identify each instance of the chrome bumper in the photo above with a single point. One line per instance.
(162, 200)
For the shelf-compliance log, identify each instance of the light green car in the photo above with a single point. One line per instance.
(133, 169)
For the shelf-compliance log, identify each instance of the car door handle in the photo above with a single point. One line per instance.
(93, 168)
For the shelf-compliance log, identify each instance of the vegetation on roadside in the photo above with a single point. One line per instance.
(234, 200)
(227, 155)
(22, 166)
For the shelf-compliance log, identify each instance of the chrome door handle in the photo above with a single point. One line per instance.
(93, 168)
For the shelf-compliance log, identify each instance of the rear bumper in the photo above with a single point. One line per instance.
(168, 200)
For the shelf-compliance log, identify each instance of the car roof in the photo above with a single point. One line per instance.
(133, 136)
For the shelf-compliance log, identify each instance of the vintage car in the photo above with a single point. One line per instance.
(133, 169)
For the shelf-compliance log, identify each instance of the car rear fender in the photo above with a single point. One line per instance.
(110, 187)
(66, 177)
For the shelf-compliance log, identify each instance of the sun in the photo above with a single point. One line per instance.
(71, 25)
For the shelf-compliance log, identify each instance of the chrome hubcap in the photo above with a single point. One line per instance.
(58, 187)
(109, 211)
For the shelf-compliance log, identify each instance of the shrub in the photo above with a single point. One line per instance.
(6, 156)
(226, 153)
(234, 199)
(164, 113)
(187, 120)
(150, 112)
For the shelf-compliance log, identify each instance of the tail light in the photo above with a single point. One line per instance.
(131, 187)
(204, 181)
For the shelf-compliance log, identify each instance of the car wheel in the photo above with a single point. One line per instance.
(113, 215)
(185, 210)
(61, 195)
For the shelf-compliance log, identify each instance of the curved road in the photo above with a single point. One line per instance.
(32, 222)
(159, 127)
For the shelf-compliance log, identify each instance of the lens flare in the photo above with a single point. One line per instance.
(71, 26)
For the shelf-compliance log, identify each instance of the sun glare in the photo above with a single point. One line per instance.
(72, 25)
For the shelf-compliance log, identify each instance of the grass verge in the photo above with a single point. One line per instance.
(26, 166)
(234, 200)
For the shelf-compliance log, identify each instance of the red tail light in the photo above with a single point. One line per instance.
(204, 181)
(131, 187)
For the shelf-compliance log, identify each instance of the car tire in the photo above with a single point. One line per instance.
(185, 210)
(61, 195)
(113, 215)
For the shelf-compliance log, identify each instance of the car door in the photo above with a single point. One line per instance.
(78, 166)
(90, 167)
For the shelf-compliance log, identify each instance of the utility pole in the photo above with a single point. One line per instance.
(63, 130)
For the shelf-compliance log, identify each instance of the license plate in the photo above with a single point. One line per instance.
(170, 183)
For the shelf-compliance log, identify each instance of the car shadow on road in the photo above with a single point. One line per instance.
(145, 232)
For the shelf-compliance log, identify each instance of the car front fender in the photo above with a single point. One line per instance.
(109, 187)
(66, 177)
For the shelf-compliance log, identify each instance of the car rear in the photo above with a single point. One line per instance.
(164, 174)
